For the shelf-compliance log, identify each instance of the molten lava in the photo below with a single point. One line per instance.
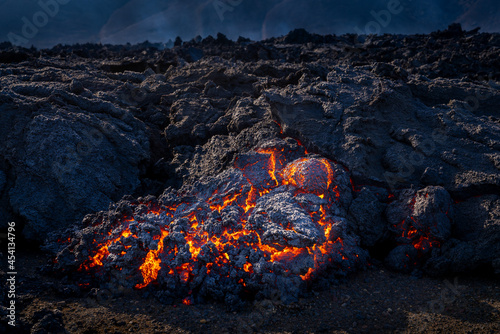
(276, 213)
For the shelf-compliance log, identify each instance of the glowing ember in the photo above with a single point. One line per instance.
(187, 301)
(248, 267)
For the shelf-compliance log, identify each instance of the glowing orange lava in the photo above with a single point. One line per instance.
(311, 175)
(151, 265)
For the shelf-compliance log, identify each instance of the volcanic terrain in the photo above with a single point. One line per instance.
(348, 182)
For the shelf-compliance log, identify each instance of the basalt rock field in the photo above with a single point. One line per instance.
(222, 171)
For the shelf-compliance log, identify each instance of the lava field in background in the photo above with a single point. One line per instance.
(228, 171)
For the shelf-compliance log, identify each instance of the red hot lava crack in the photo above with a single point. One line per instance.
(276, 203)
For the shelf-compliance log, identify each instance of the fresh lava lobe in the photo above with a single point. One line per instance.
(275, 212)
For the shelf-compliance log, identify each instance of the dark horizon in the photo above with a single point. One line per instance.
(45, 23)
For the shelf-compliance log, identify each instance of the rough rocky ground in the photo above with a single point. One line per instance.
(83, 125)
(372, 301)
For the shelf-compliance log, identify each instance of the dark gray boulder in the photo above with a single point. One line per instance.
(73, 163)
(420, 224)
(366, 214)
(424, 213)
(431, 213)
(477, 239)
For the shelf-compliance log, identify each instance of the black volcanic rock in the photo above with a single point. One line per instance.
(411, 120)
(366, 212)
(420, 224)
(427, 211)
(72, 155)
(477, 243)
(262, 225)
(72, 164)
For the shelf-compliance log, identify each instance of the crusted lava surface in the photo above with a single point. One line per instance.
(274, 220)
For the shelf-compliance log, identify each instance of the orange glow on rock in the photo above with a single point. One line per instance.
(248, 267)
(103, 251)
(185, 271)
(304, 175)
(151, 265)
(311, 175)
(271, 164)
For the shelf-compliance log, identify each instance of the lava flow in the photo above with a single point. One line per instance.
(277, 216)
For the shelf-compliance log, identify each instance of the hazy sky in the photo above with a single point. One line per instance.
(44, 23)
